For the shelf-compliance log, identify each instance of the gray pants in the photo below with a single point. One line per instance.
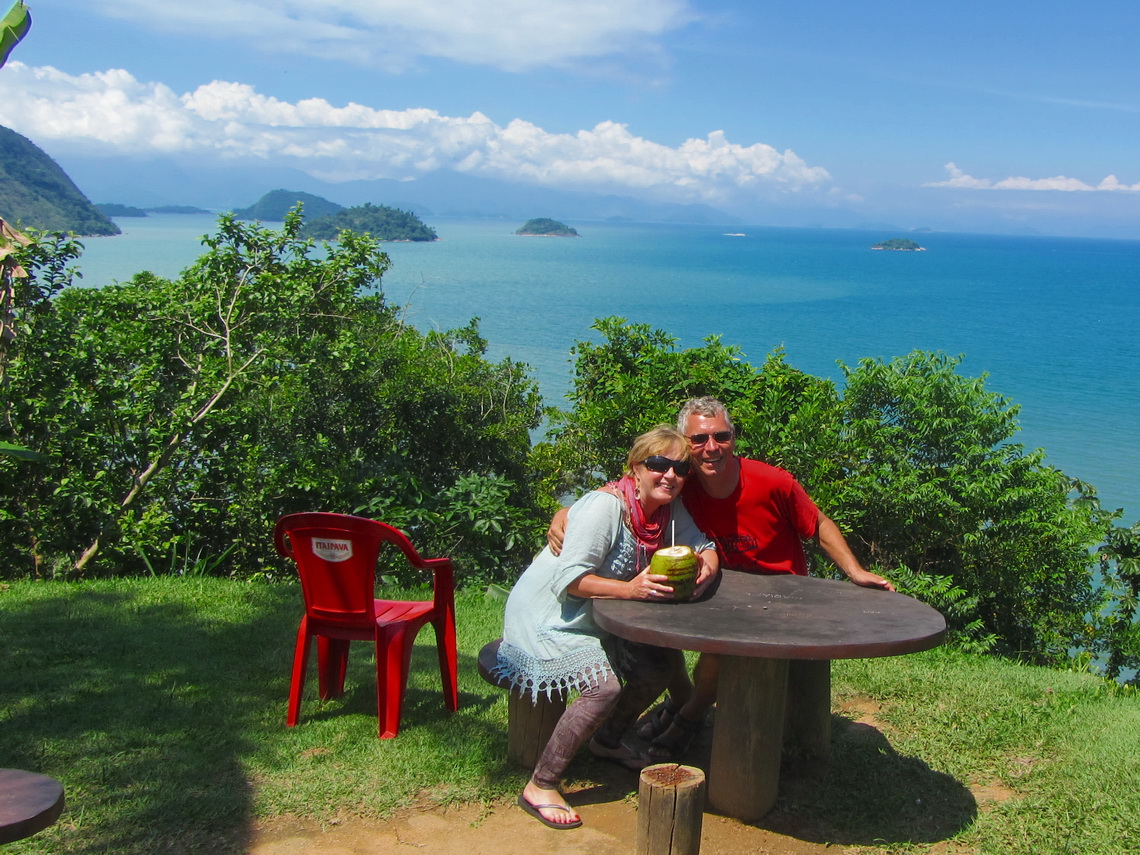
(607, 709)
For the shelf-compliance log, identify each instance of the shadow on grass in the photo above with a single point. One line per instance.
(159, 705)
(139, 705)
(867, 794)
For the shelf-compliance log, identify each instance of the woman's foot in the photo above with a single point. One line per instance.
(548, 807)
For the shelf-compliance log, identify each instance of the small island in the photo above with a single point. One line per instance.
(177, 209)
(380, 221)
(900, 245)
(546, 227)
(114, 209)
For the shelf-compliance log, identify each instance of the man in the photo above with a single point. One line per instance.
(759, 516)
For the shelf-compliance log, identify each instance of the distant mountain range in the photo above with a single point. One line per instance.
(36, 193)
(150, 183)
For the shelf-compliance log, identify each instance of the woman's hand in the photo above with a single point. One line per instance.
(643, 586)
(649, 586)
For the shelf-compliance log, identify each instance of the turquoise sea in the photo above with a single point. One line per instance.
(1052, 321)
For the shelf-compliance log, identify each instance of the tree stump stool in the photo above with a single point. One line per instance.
(670, 810)
(530, 721)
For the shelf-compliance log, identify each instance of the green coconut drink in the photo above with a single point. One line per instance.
(679, 563)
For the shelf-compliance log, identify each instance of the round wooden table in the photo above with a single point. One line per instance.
(29, 802)
(757, 624)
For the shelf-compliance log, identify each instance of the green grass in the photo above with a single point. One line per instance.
(160, 704)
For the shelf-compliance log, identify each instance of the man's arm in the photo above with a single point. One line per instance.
(557, 531)
(835, 545)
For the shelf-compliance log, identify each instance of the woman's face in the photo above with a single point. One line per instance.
(655, 489)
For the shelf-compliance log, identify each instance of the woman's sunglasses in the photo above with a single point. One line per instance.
(662, 464)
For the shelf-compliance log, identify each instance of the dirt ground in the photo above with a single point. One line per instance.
(610, 829)
(609, 813)
(607, 802)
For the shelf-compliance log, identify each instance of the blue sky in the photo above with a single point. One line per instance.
(1002, 116)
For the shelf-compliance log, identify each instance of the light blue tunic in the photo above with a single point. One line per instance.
(550, 641)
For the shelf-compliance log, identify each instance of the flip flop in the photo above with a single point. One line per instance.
(533, 810)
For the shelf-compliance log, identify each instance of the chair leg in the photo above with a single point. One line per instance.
(393, 654)
(300, 664)
(332, 659)
(445, 646)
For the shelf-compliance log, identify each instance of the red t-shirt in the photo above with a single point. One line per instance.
(761, 526)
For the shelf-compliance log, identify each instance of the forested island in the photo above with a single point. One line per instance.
(379, 221)
(900, 245)
(274, 205)
(546, 227)
(114, 209)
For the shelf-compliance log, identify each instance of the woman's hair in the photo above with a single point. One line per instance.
(659, 440)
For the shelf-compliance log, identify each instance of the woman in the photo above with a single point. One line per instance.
(550, 641)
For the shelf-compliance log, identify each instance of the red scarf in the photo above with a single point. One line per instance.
(649, 531)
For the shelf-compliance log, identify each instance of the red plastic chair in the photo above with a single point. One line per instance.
(336, 557)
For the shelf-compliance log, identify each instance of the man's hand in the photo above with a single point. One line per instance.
(557, 531)
(835, 545)
(708, 571)
(867, 579)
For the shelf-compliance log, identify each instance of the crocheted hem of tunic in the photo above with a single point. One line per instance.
(576, 671)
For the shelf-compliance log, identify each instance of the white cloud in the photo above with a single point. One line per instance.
(1111, 183)
(514, 35)
(959, 179)
(111, 112)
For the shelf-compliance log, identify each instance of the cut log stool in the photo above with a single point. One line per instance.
(29, 802)
(530, 721)
(670, 810)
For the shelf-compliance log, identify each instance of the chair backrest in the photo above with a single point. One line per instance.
(336, 557)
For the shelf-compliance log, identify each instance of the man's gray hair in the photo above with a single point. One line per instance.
(707, 407)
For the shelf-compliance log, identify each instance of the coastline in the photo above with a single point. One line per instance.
(815, 293)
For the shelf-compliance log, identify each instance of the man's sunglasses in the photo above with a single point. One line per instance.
(662, 464)
(721, 436)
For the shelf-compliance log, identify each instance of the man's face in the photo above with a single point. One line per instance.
(712, 458)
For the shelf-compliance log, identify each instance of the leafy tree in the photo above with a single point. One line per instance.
(636, 378)
(182, 417)
(934, 483)
(1119, 556)
(914, 461)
